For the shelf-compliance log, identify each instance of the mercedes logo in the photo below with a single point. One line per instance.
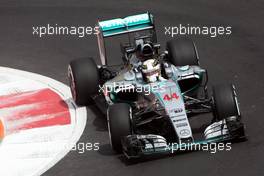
(184, 132)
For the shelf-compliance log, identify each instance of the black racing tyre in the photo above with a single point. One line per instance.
(182, 52)
(225, 102)
(119, 124)
(84, 80)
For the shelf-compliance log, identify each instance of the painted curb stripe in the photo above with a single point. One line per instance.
(33, 109)
(33, 151)
(2, 134)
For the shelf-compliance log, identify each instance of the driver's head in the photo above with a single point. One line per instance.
(151, 70)
(145, 51)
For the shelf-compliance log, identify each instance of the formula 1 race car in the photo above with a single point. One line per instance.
(150, 97)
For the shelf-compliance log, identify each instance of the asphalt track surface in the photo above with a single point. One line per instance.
(237, 58)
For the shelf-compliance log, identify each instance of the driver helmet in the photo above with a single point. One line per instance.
(145, 51)
(151, 70)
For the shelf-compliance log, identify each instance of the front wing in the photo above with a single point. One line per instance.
(136, 146)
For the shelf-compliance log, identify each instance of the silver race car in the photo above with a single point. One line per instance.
(150, 97)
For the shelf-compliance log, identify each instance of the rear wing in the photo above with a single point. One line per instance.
(120, 26)
(126, 25)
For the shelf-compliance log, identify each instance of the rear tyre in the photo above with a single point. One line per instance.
(119, 124)
(182, 52)
(84, 80)
(225, 102)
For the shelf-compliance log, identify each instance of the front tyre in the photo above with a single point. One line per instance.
(226, 108)
(119, 124)
(84, 80)
(225, 101)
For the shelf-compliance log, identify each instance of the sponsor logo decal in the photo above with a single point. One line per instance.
(179, 120)
(178, 110)
(181, 125)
